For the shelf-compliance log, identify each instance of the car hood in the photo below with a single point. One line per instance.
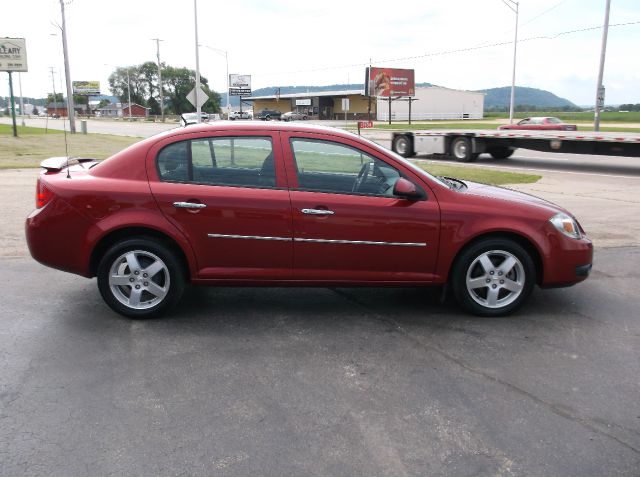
(512, 196)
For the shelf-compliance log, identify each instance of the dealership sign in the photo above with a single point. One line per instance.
(86, 88)
(387, 82)
(13, 54)
(239, 85)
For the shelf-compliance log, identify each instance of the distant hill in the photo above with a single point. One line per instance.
(498, 98)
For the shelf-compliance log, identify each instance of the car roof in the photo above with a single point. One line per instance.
(257, 126)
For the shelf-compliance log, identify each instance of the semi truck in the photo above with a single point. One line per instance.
(467, 145)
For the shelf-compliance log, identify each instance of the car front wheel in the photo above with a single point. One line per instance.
(493, 277)
(140, 278)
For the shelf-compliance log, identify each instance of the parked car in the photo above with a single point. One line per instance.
(269, 114)
(541, 124)
(298, 205)
(192, 118)
(293, 116)
(240, 115)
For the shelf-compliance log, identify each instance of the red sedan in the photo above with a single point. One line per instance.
(541, 124)
(275, 204)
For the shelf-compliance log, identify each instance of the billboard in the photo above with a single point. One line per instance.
(13, 54)
(86, 88)
(386, 82)
(239, 85)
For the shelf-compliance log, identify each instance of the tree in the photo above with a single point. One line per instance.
(57, 99)
(145, 90)
(120, 82)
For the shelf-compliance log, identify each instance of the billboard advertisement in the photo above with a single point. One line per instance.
(239, 85)
(386, 82)
(86, 88)
(13, 54)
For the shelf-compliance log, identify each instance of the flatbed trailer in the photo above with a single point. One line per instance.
(466, 146)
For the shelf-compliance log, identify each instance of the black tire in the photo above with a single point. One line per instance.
(155, 293)
(267, 118)
(461, 150)
(500, 290)
(501, 152)
(403, 145)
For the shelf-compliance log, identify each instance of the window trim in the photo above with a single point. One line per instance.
(359, 151)
(210, 139)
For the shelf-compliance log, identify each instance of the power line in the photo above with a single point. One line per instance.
(458, 50)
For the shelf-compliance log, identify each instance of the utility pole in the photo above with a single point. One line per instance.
(158, 40)
(129, 92)
(53, 84)
(515, 47)
(21, 99)
(198, 107)
(67, 73)
(600, 88)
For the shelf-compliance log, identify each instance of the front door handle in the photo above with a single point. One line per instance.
(188, 205)
(317, 212)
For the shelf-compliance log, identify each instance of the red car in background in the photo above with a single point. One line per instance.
(541, 124)
(275, 204)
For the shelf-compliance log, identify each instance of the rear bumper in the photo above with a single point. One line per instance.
(55, 236)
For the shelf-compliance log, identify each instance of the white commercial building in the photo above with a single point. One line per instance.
(434, 102)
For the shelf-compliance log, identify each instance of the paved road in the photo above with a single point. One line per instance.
(327, 381)
(320, 382)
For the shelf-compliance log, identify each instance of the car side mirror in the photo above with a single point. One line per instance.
(406, 189)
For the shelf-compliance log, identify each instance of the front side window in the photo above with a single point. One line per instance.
(324, 166)
(238, 161)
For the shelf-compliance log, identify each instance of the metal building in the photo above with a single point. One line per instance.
(433, 102)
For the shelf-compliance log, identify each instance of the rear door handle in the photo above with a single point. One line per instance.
(188, 205)
(317, 212)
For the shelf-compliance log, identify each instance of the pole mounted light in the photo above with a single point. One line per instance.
(514, 6)
(224, 53)
(198, 107)
(600, 88)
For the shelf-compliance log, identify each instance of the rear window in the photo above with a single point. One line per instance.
(239, 161)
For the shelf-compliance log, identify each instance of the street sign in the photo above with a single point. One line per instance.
(13, 54)
(345, 104)
(239, 85)
(365, 124)
(202, 98)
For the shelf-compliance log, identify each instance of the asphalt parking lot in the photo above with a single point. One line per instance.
(326, 381)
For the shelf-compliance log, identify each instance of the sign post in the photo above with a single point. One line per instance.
(239, 85)
(345, 108)
(13, 57)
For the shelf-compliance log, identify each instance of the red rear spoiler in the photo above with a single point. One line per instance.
(56, 164)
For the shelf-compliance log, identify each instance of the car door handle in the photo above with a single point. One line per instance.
(188, 205)
(317, 212)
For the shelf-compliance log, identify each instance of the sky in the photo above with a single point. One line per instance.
(463, 44)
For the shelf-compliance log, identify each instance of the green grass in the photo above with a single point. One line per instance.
(31, 148)
(478, 174)
(587, 116)
(7, 130)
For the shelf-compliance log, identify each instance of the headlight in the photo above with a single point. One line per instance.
(566, 224)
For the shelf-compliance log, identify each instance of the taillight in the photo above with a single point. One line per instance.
(43, 195)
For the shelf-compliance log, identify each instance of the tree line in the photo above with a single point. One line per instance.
(145, 88)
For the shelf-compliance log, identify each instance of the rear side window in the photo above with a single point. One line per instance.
(239, 161)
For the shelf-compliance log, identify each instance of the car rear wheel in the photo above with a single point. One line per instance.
(140, 278)
(493, 277)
